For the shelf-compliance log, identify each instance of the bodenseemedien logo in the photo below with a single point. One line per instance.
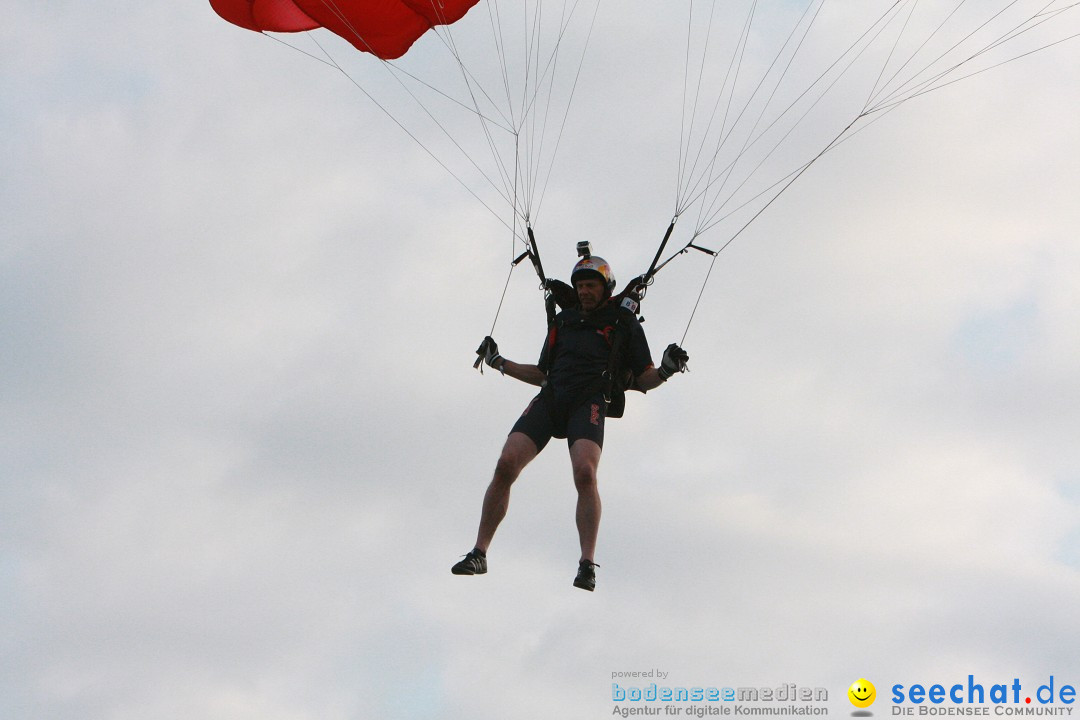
(787, 700)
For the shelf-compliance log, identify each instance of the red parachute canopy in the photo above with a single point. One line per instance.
(386, 28)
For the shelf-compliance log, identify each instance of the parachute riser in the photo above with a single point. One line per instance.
(556, 292)
(636, 288)
(660, 250)
(534, 255)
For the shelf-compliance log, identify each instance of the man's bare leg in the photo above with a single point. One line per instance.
(584, 458)
(518, 451)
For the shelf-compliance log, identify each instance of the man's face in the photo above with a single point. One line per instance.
(590, 292)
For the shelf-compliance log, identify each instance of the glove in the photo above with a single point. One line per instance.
(488, 352)
(674, 361)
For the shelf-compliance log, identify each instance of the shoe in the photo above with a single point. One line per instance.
(586, 575)
(472, 564)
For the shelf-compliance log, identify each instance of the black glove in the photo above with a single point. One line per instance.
(674, 361)
(488, 352)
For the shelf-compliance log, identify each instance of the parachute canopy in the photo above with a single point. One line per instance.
(385, 28)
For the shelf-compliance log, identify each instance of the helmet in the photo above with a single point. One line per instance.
(594, 266)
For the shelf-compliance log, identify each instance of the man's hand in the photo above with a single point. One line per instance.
(674, 361)
(488, 352)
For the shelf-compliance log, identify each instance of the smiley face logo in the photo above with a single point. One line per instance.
(862, 693)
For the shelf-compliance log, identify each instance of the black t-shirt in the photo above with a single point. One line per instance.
(577, 359)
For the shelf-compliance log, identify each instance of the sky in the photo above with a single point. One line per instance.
(242, 440)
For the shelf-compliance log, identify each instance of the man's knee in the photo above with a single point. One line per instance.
(516, 454)
(584, 476)
(584, 459)
(507, 469)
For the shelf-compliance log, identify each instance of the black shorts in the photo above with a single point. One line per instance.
(546, 418)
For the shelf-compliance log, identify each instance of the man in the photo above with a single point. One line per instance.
(588, 346)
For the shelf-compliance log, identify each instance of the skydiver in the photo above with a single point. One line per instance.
(586, 346)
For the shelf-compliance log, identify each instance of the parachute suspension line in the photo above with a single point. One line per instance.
(508, 114)
(900, 90)
(532, 84)
(691, 245)
(852, 53)
(508, 180)
(879, 87)
(682, 119)
(682, 108)
(882, 108)
(523, 184)
(526, 119)
(506, 123)
(502, 298)
(503, 125)
(540, 66)
(533, 166)
(849, 133)
(911, 89)
(706, 222)
(880, 101)
(391, 69)
(896, 45)
(896, 103)
(708, 176)
(696, 189)
(513, 248)
(687, 133)
(539, 184)
(569, 101)
(329, 61)
(790, 181)
(316, 58)
(495, 19)
(537, 124)
(514, 233)
(726, 131)
(707, 179)
(514, 110)
(715, 253)
(708, 209)
(701, 293)
(716, 215)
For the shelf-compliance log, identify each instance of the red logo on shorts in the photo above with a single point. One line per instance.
(594, 416)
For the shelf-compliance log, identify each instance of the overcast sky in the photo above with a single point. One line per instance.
(242, 441)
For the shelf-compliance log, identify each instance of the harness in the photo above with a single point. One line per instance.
(616, 378)
(614, 325)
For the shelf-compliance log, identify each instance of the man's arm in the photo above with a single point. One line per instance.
(488, 352)
(530, 374)
(674, 362)
(648, 380)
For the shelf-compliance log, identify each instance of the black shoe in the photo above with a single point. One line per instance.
(473, 564)
(586, 575)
